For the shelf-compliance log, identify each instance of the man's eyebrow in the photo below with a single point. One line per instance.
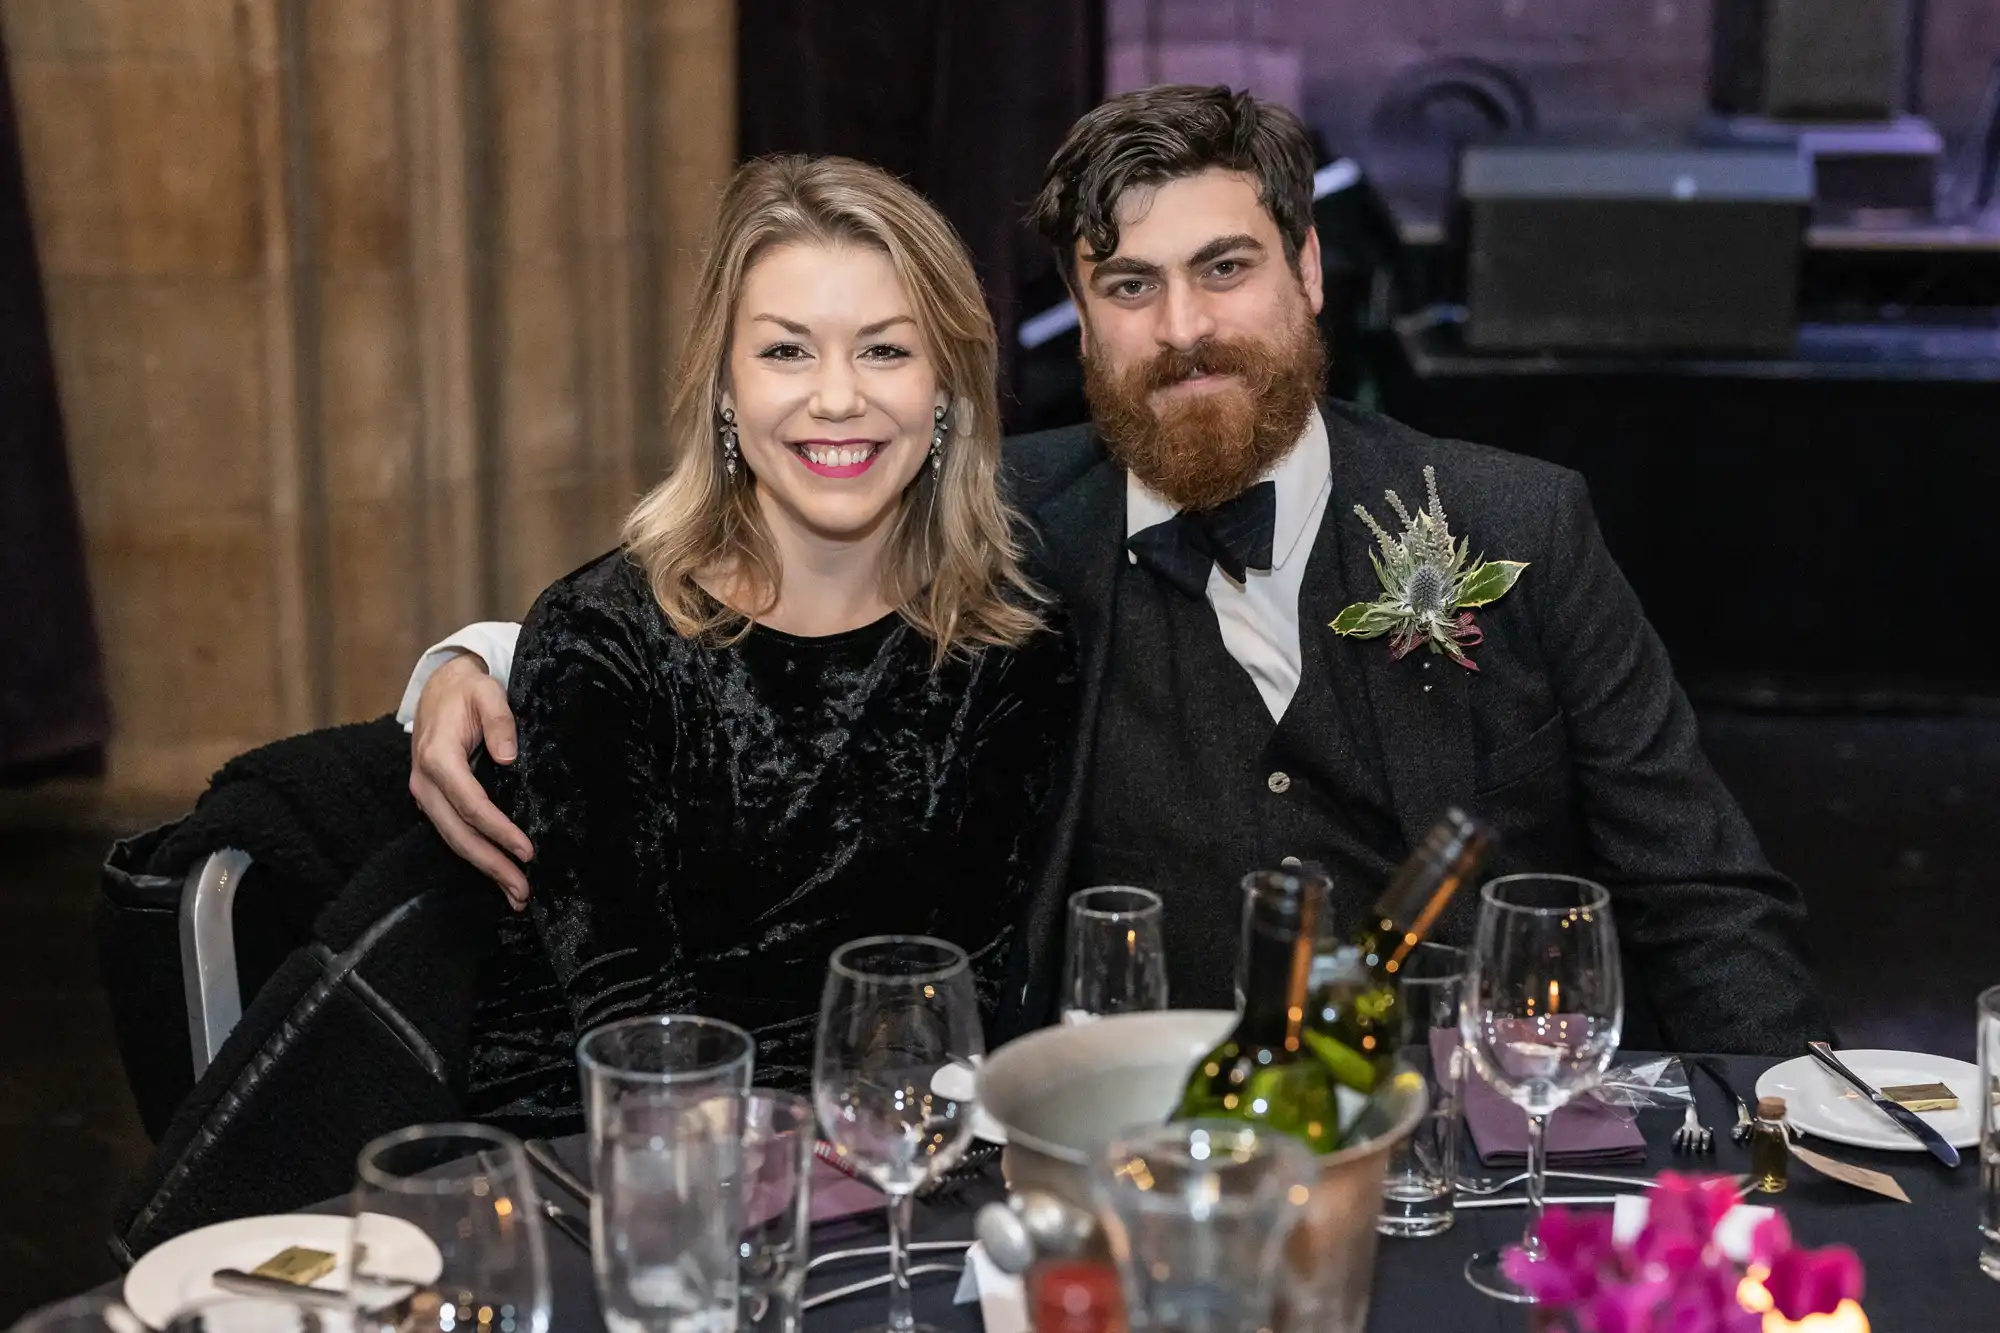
(1125, 267)
(1221, 246)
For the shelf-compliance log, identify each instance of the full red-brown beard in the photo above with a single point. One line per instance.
(1207, 448)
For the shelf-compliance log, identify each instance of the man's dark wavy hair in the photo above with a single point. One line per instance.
(1161, 134)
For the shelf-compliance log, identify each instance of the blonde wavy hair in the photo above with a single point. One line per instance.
(952, 566)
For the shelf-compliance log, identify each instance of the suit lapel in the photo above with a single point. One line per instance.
(1422, 705)
(1081, 532)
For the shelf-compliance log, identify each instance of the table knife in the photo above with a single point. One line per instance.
(543, 1155)
(1906, 1120)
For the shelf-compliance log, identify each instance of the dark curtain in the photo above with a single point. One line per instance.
(53, 715)
(965, 99)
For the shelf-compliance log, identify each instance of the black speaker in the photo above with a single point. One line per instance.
(1672, 250)
(1809, 59)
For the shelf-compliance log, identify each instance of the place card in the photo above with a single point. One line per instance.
(1002, 1297)
(1875, 1182)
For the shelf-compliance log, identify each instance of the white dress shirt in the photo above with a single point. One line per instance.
(1259, 618)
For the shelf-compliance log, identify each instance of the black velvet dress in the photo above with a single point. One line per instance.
(711, 822)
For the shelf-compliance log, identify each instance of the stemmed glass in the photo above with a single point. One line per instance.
(1114, 954)
(897, 1009)
(1544, 999)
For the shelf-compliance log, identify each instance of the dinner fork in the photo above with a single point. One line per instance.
(1693, 1136)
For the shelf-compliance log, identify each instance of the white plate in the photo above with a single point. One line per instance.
(175, 1275)
(1822, 1103)
(961, 1085)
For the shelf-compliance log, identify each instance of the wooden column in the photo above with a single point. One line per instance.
(362, 311)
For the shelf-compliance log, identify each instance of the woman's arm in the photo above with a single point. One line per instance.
(592, 792)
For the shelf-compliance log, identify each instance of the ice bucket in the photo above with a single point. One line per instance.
(1062, 1094)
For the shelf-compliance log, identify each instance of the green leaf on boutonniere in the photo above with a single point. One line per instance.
(1365, 620)
(1488, 581)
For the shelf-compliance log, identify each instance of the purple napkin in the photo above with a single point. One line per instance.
(1587, 1132)
(835, 1195)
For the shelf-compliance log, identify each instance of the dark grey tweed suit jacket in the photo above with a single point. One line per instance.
(1573, 738)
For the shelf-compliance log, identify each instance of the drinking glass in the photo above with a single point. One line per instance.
(664, 1099)
(1989, 1133)
(778, 1135)
(897, 1009)
(1196, 1214)
(82, 1314)
(1543, 1002)
(452, 1211)
(1114, 956)
(1422, 1175)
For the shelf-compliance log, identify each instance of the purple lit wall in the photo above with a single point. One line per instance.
(1641, 64)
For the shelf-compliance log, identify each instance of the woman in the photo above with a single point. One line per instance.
(812, 696)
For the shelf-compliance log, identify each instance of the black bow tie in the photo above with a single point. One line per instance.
(1236, 535)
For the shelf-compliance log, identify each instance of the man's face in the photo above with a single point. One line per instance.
(1201, 356)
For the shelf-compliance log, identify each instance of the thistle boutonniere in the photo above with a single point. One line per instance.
(1429, 582)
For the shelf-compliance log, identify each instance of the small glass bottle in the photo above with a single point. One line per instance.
(1770, 1147)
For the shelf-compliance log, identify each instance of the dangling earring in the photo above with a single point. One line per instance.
(729, 446)
(938, 431)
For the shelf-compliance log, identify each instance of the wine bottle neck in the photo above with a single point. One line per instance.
(1424, 886)
(1283, 935)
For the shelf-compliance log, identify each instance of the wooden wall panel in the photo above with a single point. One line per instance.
(362, 312)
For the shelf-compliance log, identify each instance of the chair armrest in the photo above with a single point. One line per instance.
(208, 952)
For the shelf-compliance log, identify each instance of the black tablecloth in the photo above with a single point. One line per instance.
(1921, 1257)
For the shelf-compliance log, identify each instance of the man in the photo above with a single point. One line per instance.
(1204, 535)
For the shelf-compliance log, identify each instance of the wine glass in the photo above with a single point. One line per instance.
(897, 1010)
(448, 1227)
(1114, 956)
(1544, 999)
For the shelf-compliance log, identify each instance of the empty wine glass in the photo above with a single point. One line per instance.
(897, 1009)
(1114, 954)
(447, 1226)
(1543, 1002)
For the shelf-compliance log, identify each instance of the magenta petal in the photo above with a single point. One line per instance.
(1804, 1282)
(1625, 1309)
(1771, 1238)
(1575, 1246)
(1690, 1206)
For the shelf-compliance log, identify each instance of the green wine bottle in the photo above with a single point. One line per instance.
(1264, 1070)
(1320, 1025)
(1356, 1024)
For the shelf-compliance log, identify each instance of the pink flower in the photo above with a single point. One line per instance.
(1769, 1239)
(1804, 1282)
(1575, 1247)
(1690, 1206)
(1673, 1278)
